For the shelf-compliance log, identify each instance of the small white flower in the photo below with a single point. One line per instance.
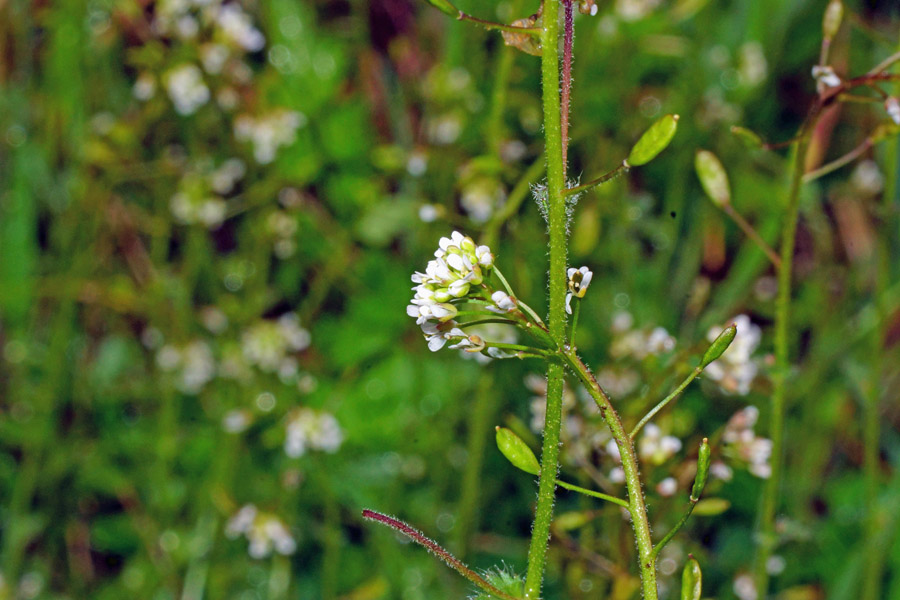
(314, 430)
(667, 487)
(617, 475)
(735, 370)
(503, 301)
(825, 76)
(892, 106)
(186, 88)
(144, 87)
(263, 531)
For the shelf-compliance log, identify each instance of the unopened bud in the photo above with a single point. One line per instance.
(892, 106)
(825, 76)
(654, 141)
(713, 178)
(831, 22)
(517, 451)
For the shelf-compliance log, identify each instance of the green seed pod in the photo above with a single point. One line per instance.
(653, 141)
(517, 451)
(749, 138)
(719, 345)
(702, 470)
(713, 177)
(831, 22)
(445, 7)
(710, 507)
(691, 580)
(573, 520)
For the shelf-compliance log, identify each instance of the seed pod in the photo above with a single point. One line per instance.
(691, 580)
(831, 22)
(445, 7)
(517, 451)
(710, 507)
(719, 345)
(653, 141)
(713, 177)
(702, 470)
(749, 138)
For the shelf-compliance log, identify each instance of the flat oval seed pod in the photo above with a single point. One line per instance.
(654, 141)
(517, 451)
(713, 177)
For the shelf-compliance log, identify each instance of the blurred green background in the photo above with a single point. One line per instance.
(209, 213)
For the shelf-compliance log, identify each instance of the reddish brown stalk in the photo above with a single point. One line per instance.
(433, 547)
(566, 95)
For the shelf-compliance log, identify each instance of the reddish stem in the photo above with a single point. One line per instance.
(433, 547)
(566, 80)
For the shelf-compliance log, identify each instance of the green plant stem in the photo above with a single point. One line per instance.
(556, 218)
(636, 506)
(766, 535)
(621, 169)
(662, 404)
(489, 25)
(587, 492)
(575, 312)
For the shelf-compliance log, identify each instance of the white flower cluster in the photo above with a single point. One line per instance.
(638, 343)
(265, 532)
(283, 227)
(742, 443)
(309, 429)
(578, 281)
(193, 363)
(186, 88)
(458, 265)
(735, 370)
(267, 133)
(199, 196)
(656, 448)
(268, 344)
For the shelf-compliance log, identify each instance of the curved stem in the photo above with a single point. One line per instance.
(623, 168)
(662, 404)
(556, 218)
(636, 506)
(751, 233)
(587, 492)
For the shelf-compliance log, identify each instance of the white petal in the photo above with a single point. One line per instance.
(568, 302)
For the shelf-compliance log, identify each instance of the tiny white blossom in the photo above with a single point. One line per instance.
(667, 487)
(503, 301)
(264, 532)
(825, 76)
(735, 370)
(309, 429)
(186, 88)
(892, 106)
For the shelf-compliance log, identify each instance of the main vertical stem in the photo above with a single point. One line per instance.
(767, 537)
(556, 218)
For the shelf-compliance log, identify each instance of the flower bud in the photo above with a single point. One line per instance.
(517, 451)
(702, 470)
(445, 7)
(654, 141)
(691, 580)
(719, 345)
(713, 178)
(831, 22)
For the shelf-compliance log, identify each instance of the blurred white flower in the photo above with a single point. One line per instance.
(667, 487)
(656, 448)
(238, 29)
(186, 88)
(735, 370)
(144, 86)
(266, 343)
(264, 531)
(269, 132)
(743, 444)
(313, 430)
(194, 365)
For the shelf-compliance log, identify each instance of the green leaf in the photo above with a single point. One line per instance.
(445, 7)
(517, 451)
(654, 141)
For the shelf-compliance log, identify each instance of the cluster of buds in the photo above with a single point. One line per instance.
(459, 266)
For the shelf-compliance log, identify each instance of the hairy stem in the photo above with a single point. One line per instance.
(636, 506)
(566, 93)
(540, 534)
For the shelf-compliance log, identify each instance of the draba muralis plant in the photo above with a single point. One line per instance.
(462, 287)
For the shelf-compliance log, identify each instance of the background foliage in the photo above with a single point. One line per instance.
(177, 177)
